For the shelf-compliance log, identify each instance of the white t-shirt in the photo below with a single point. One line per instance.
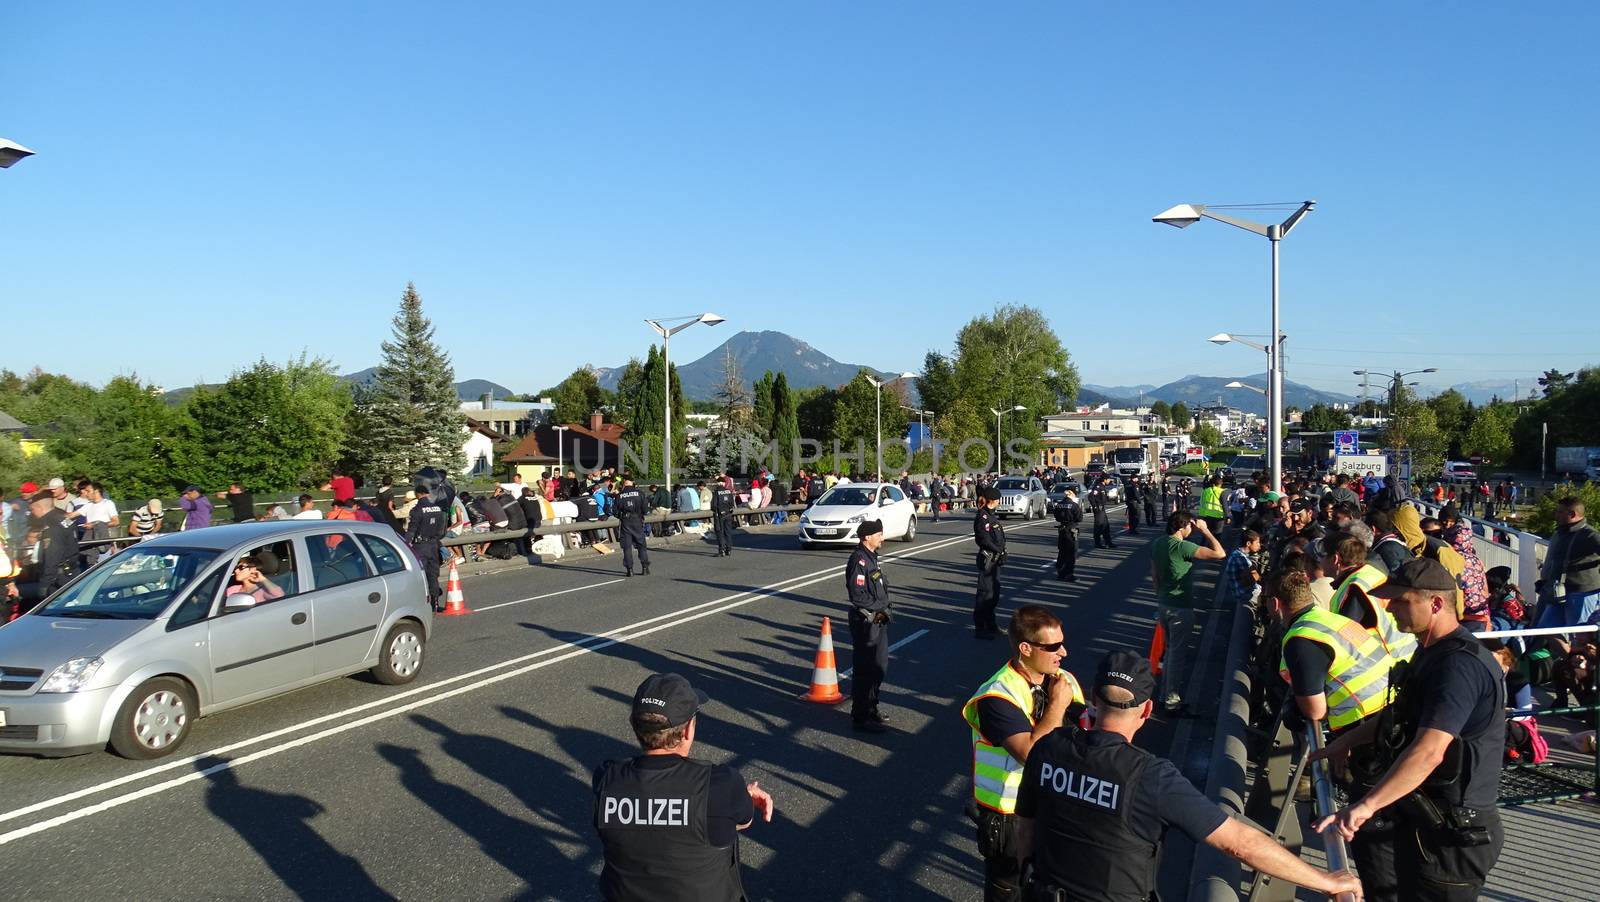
(514, 489)
(312, 514)
(102, 511)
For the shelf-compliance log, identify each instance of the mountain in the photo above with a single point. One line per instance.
(1121, 392)
(757, 352)
(1200, 391)
(1485, 390)
(466, 390)
(1095, 396)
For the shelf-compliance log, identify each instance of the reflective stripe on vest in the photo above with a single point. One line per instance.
(1210, 503)
(1400, 644)
(1357, 684)
(996, 776)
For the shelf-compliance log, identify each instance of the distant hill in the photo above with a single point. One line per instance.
(1199, 391)
(1485, 390)
(757, 352)
(1119, 392)
(468, 390)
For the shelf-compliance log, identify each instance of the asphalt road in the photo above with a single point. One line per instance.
(474, 781)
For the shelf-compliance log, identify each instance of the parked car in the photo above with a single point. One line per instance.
(1458, 471)
(1022, 496)
(836, 516)
(188, 624)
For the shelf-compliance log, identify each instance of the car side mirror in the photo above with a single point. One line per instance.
(886, 502)
(238, 601)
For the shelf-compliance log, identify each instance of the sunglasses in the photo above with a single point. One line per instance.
(1052, 646)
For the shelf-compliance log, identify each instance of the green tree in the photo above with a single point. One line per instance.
(785, 423)
(1454, 414)
(626, 400)
(1322, 418)
(1414, 425)
(132, 441)
(1207, 436)
(17, 468)
(936, 385)
(1162, 411)
(1490, 433)
(1013, 357)
(1554, 382)
(412, 417)
(1181, 417)
(762, 401)
(269, 428)
(960, 424)
(576, 397)
(1568, 413)
(1543, 518)
(856, 414)
(814, 414)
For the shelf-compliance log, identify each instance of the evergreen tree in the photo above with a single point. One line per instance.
(412, 416)
(1162, 411)
(763, 406)
(1180, 415)
(785, 423)
(576, 397)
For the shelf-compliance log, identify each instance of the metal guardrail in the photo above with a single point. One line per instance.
(1322, 786)
(1214, 875)
(478, 538)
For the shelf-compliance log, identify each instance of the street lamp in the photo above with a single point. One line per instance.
(561, 454)
(11, 152)
(666, 333)
(877, 454)
(1238, 384)
(1184, 215)
(920, 413)
(1395, 378)
(998, 468)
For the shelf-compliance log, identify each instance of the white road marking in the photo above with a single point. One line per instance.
(563, 652)
(892, 649)
(507, 604)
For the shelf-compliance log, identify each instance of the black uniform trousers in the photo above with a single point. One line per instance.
(997, 843)
(1133, 516)
(869, 643)
(427, 551)
(633, 538)
(723, 524)
(1066, 551)
(1149, 508)
(1102, 533)
(1372, 850)
(988, 596)
(1432, 868)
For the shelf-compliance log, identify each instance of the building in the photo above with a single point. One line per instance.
(479, 448)
(592, 446)
(10, 425)
(1099, 421)
(1226, 419)
(509, 418)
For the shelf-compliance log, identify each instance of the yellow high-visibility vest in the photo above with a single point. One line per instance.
(996, 776)
(1210, 502)
(1357, 684)
(1400, 644)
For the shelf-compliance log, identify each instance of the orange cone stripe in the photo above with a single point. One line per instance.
(825, 674)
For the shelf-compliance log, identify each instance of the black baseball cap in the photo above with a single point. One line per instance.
(869, 528)
(990, 494)
(1125, 670)
(669, 695)
(1423, 574)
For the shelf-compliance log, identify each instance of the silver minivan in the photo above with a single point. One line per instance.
(191, 623)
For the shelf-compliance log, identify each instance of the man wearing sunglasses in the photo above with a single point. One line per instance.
(1019, 705)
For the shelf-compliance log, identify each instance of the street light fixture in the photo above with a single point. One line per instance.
(11, 152)
(1395, 378)
(561, 454)
(998, 468)
(1238, 384)
(877, 453)
(1184, 215)
(666, 333)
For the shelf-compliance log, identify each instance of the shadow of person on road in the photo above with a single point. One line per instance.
(277, 826)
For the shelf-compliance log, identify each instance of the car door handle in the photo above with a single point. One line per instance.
(374, 598)
(298, 619)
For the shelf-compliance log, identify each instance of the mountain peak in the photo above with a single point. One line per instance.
(756, 352)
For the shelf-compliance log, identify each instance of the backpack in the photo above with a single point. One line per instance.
(1524, 743)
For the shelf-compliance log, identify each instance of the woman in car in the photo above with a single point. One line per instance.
(249, 580)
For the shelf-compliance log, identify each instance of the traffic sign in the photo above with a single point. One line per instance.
(1362, 465)
(1347, 441)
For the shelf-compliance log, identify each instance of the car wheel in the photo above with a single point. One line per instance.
(401, 658)
(911, 530)
(155, 719)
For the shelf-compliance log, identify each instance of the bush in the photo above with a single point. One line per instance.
(1543, 518)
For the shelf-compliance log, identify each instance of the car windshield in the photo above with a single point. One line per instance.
(135, 585)
(1061, 488)
(846, 496)
(1012, 484)
(1128, 455)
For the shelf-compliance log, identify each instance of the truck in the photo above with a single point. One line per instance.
(1175, 444)
(1582, 462)
(1140, 461)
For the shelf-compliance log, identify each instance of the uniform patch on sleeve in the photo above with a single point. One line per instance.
(861, 579)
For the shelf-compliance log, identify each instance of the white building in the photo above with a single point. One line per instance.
(478, 448)
(509, 418)
(1102, 420)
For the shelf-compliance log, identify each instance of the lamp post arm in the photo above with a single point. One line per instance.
(1245, 224)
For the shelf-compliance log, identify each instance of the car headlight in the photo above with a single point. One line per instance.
(805, 518)
(71, 676)
(857, 518)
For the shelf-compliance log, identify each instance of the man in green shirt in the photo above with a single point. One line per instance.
(1172, 560)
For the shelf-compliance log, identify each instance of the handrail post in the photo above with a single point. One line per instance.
(1322, 784)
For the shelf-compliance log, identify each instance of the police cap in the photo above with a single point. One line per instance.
(1128, 671)
(990, 493)
(1422, 574)
(869, 528)
(668, 695)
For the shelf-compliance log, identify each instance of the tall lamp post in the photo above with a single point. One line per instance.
(11, 152)
(1396, 379)
(1274, 433)
(1184, 215)
(561, 451)
(877, 386)
(999, 467)
(920, 413)
(666, 332)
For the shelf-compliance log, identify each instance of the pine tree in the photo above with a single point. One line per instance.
(785, 422)
(762, 392)
(411, 418)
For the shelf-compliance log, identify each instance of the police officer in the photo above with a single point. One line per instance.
(1092, 808)
(1098, 508)
(816, 487)
(1339, 672)
(991, 540)
(1132, 497)
(630, 506)
(1068, 515)
(870, 616)
(669, 823)
(723, 502)
(1150, 502)
(425, 527)
(1442, 739)
(1023, 701)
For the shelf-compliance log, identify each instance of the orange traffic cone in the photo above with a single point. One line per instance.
(1158, 648)
(455, 603)
(825, 675)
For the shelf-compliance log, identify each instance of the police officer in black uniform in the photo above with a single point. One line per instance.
(1133, 497)
(631, 505)
(723, 502)
(1098, 505)
(1068, 515)
(1442, 738)
(816, 487)
(870, 616)
(669, 823)
(1150, 502)
(425, 527)
(991, 539)
(1093, 809)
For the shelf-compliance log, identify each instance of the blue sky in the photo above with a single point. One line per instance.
(215, 182)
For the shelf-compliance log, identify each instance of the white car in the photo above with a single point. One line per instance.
(836, 516)
(1022, 496)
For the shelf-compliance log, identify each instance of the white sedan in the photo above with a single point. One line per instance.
(836, 516)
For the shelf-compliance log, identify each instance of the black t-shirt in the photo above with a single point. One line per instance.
(1165, 798)
(728, 806)
(1459, 695)
(243, 507)
(1309, 662)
